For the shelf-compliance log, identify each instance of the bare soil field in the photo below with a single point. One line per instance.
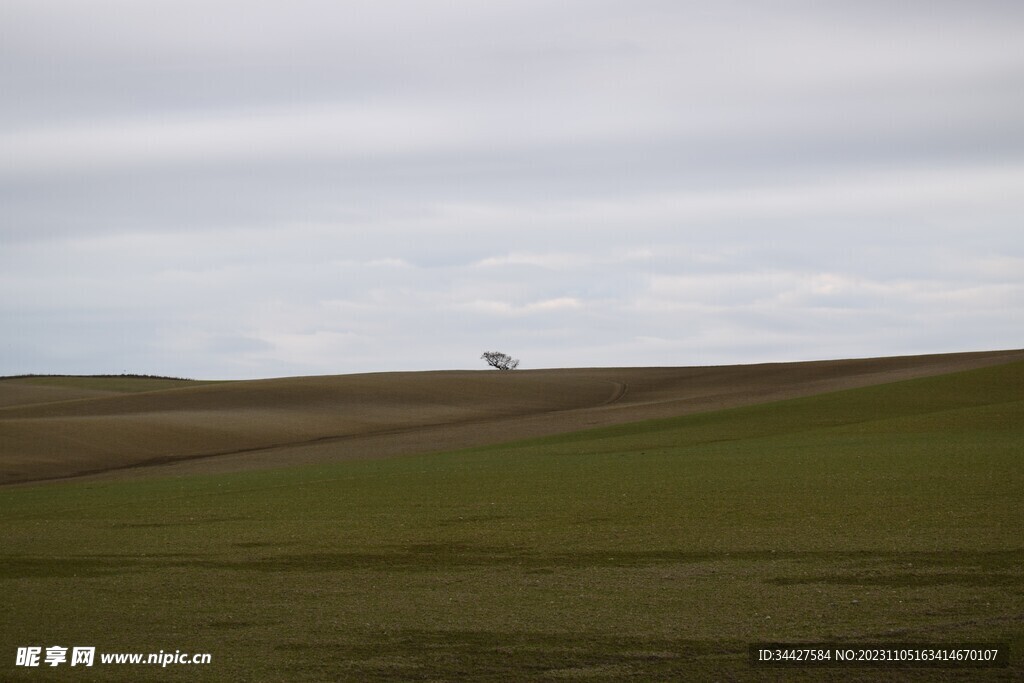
(55, 431)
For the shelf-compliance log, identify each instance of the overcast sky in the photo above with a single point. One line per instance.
(251, 188)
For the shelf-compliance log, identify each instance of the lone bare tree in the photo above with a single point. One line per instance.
(499, 360)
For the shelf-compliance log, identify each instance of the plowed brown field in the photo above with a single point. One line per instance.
(54, 431)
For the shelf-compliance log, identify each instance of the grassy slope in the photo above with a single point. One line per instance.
(242, 425)
(655, 549)
(111, 431)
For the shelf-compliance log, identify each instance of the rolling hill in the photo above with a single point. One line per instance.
(65, 427)
(751, 506)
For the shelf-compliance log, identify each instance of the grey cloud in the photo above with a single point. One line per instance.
(244, 189)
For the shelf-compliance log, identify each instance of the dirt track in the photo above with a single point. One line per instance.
(271, 423)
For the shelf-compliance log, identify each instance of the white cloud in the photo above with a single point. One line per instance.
(549, 260)
(504, 308)
(561, 261)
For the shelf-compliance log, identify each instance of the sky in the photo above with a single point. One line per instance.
(251, 188)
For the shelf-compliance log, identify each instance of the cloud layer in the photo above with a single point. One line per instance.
(227, 189)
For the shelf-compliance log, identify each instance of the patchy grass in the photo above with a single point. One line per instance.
(650, 551)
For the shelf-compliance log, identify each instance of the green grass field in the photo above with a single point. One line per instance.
(647, 551)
